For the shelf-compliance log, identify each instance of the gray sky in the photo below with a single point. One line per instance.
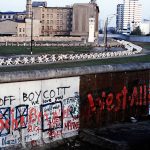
(107, 7)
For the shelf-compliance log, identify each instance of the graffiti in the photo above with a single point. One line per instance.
(38, 109)
(4, 121)
(47, 95)
(13, 141)
(21, 116)
(6, 100)
(51, 116)
(71, 125)
(112, 102)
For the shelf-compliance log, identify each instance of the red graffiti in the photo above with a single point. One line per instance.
(91, 102)
(55, 133)
(140, 96)
(71, 125)
(109, 102)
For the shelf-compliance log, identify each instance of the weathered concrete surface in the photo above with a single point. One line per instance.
(67, 72)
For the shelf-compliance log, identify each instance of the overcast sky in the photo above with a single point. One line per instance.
(107, 7)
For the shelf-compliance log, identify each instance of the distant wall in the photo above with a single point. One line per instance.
(28, 39)
(130, 38)
(139, 38)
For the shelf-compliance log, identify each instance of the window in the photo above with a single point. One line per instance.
(57, 22)
(42, 27)
(51, 22)
(57, 16)
(47, 15)
(51, 16)
(61, 16)
(5, 17)
(43, 21)
(61, 22)
(51, 27)
(48, 21)
(20, 30)
(42, 15)
(61, 28)
(57, 27)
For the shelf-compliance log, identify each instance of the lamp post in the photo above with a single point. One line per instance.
(105, 29)
(31, 31)
(105, 33)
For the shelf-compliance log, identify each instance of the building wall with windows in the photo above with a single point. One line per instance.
(54, 20)
(119, 17)
(51, 21)
(20, 28)
(12, 16)
(132, 15)
(7, 15)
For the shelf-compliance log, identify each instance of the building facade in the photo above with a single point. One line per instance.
(12, 15)
(119, 18)
(81, 14)
(54, 20)
(132, 16)
(145, 27)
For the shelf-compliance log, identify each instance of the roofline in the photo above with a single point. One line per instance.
(54, 7)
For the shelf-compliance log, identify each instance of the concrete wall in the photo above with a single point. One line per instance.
(113, 97)
(139, 38)
(42, 106)
(38, 111)
(44, 38)
(130, 38)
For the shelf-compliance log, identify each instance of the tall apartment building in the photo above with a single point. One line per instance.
(119, 18)
(132, 16)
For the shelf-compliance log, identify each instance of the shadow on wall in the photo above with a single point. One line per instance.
(113, 97)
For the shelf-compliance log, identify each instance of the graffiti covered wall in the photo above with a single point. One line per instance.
(35, 110)
(49, 110)
(112, 97)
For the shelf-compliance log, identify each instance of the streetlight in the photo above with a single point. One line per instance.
(105, 28)
(31, 31)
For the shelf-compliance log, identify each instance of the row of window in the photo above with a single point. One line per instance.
(54, 10)
(6, 16)
(58, 22)
(21, 29)
(21, 35)
(51, 28)
(59, 16)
